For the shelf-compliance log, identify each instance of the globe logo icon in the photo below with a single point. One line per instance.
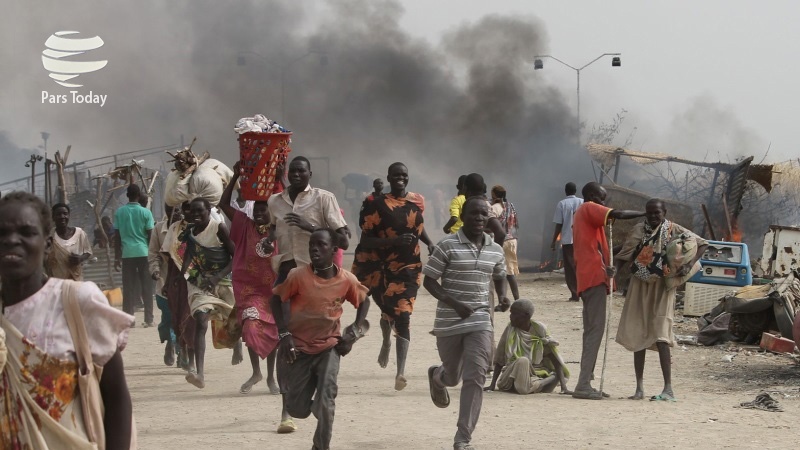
(60, 48)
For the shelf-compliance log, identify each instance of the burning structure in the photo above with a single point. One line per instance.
(729, 201)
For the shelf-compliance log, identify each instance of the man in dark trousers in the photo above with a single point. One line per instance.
(593, 271)
(565, 210)
(133, 225)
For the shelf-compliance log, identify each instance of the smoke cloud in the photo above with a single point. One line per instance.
(366, 95)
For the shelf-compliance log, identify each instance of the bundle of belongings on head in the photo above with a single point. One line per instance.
(195, 176)
(742, 317)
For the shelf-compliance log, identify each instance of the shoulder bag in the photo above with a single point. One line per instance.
(88, 374)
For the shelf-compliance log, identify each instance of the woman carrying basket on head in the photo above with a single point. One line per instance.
(50, 328)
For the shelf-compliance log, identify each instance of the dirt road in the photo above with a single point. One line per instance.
(172, 414)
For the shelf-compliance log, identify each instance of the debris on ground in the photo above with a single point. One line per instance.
(764, 402)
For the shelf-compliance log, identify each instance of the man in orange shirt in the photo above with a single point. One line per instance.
(593, 272)
(311, 342)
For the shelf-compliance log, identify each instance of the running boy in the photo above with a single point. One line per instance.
(311, 342)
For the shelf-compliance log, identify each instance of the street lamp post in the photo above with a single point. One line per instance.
(47, 162)
(32, 164)
(241, 60)
(616, 61)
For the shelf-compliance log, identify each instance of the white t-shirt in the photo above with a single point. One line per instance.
(40, 318)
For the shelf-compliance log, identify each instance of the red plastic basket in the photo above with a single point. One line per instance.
(260, 154)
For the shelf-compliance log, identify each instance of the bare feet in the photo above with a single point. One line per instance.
(638, 395)
(237, 354)
(273, 386)
(248, 385)
(383, 356)
(196, 380)
(400, 382)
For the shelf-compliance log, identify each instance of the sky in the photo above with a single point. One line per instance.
(446, 86)
(711, 77)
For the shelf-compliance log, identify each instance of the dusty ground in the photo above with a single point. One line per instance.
(370, 415)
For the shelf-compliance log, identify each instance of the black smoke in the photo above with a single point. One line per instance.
(471, 103)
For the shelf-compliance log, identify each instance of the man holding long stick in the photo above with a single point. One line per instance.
(593, 270)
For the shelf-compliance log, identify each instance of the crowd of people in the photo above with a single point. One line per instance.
(271, 277)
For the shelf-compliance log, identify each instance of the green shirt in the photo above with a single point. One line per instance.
(132, 222)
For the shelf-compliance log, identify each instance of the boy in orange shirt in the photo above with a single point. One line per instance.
(311, 343)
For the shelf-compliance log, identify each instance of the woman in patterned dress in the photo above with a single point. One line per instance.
(40, 404)
(387, 260)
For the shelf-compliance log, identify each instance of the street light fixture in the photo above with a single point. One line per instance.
(32, 164)
(241, 60)
(616, 61)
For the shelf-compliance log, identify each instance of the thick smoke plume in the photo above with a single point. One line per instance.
(471, 103)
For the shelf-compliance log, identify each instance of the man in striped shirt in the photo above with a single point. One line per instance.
(464, 262)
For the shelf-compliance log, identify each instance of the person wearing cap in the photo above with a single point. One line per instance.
(133, 225)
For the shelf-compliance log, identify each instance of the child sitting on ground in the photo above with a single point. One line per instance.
(526, 360)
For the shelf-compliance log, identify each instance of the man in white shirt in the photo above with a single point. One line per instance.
(297, 212)
(563, 219)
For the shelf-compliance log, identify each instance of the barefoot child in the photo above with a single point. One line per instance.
(526, 360)
(209, 284)
(311, 342)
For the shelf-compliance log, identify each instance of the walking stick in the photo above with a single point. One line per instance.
(608, 304)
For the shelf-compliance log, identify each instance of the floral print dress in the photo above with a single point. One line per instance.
(392, 274)
(40, 406)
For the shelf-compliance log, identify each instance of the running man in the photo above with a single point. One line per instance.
(465, 263)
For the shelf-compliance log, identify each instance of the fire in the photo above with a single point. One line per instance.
(550, 264)
(737, 233)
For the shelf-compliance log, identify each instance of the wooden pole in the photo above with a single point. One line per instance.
(708, 222)
(99, 223)
(713, 187)
(727, 217)
(75, 175)
(60, 163)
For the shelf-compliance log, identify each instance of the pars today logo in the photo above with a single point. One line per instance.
(61, 58)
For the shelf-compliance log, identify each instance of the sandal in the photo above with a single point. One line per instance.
(663, 398)
(287, 426)
(439, 396)
(592, 394)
